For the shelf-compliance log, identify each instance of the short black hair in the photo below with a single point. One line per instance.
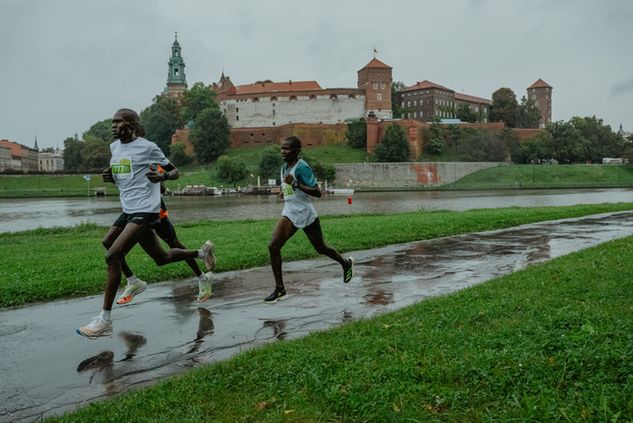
(294, 141)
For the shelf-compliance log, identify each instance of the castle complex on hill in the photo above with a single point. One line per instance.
(265, 111)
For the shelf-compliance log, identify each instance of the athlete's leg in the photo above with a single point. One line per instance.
(150, 243)
(114, 257)
(281, 234)
(167, 233)
(315, 235)
(112, 234)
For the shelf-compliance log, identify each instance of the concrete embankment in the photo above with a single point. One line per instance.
(408, 175)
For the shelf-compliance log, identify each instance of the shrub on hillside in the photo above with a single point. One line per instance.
(394, 147)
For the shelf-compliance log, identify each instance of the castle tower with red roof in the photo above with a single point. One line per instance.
(541, 93)
(375, 79)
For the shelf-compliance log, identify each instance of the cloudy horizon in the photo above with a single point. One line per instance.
(69, 64)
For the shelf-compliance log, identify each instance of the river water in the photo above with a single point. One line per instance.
(24, 214)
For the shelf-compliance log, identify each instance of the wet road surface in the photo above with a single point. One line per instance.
(46, 369)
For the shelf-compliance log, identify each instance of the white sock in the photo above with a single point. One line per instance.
(106, 315)
(132, 280)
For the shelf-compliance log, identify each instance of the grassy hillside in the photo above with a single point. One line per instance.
(21, 186)
(540, 176)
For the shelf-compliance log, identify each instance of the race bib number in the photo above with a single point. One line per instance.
(122, 169)
(287, 190)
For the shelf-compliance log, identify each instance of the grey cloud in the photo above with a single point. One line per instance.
(622, 87)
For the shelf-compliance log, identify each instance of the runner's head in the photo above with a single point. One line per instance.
(126, 125)
(290, 148)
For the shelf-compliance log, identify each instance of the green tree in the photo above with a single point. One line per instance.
(231, 169)
(101, 130)
(528, 114)
(394, 146)
(195, 100)
(161, 120)
(73, 150)
(396, 108)
(465, 114)
(533, 150)
(504, 107)
(270, 162)
(568, 143)
(435, 145)
(95, 155)
(210, 135)
(603, 142)
(357, 133)
(178, 155)
(322, 172)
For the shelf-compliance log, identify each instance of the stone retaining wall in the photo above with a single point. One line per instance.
(412, 175)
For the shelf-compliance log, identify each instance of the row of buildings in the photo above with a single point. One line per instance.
(267, 104)
(15, 157)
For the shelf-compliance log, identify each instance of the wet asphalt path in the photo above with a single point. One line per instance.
(46, 369)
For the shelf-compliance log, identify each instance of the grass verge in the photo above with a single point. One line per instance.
(540, 176)
(550, 343)
(47, 264)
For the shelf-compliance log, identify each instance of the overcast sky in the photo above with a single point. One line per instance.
(66, 64)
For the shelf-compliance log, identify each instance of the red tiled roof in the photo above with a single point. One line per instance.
(539, 84)
(471, 98)
(424, 85)
(375, 63)
(16, 149)
(273, 87)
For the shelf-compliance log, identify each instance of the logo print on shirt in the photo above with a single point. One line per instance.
(122, 169)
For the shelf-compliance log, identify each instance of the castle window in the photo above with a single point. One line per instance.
(176, 71)
(375, 85)
(237, 110)
(293, 97)
(379, 96)
(352, 96)
(333, 96)
(273, 98)
(313, 97)
(237, 117)
(255, 99)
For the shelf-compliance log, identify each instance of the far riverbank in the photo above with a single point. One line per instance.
(499, 177)
(24, 214)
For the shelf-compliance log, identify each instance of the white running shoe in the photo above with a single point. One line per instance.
(204, 289)
(98, 327)
(131, 290)
(209, 255)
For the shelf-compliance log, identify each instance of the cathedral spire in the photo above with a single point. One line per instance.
(176, 80)
(35, 147)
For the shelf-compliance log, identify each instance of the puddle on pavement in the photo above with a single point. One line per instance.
(46, 369)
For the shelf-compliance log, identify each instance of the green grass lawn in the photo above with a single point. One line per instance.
(541, 176)
(501, 177)
(26, 186)
(552, 342)
(74, 263)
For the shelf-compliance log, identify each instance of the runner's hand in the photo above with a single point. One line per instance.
(106, 175)
(288, 179)
(154, 176)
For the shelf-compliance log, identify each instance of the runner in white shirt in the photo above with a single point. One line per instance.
(139, 192)
(297, 185)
